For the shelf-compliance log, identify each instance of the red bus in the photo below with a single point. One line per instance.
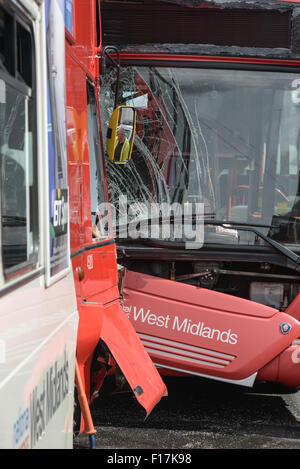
(206, 210)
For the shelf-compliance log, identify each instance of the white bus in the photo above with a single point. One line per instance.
(38, 311)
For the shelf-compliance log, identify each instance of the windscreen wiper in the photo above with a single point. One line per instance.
(239, 226)
(173, 218)
(253, 228)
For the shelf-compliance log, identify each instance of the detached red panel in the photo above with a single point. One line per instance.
(135, 363)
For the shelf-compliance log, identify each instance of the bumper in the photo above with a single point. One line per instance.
(285, 368)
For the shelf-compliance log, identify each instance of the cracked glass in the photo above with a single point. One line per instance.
(227, 139)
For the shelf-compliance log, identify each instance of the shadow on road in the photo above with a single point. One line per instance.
(198, 408)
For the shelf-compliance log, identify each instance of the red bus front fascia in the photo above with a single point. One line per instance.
(203, 332)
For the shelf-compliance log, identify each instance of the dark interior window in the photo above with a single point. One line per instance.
(24, 60)
(17, 145)
(7, 42)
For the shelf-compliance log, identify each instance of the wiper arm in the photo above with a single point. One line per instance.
(252, 228)
(240, 226)
(173, 218)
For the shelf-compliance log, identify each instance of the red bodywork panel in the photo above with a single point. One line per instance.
(135, 363)
(204, 332)
(111, 324)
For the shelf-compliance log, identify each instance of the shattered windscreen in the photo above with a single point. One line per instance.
(226, 139)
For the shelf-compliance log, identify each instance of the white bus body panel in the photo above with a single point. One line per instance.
(37, 366)
(38, 318)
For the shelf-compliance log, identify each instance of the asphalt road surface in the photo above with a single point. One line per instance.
(199, 414)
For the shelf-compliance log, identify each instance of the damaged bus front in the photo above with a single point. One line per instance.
(207, 209)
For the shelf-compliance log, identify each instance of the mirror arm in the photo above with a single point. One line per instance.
(117, 64)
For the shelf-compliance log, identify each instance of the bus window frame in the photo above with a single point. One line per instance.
(18, 272)
(99, 163)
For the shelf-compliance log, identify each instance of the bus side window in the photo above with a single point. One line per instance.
(100, 227)
(17, 151)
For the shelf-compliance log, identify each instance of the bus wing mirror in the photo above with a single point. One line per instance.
(120, 134)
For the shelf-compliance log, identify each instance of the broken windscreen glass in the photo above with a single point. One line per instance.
(225, 140)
